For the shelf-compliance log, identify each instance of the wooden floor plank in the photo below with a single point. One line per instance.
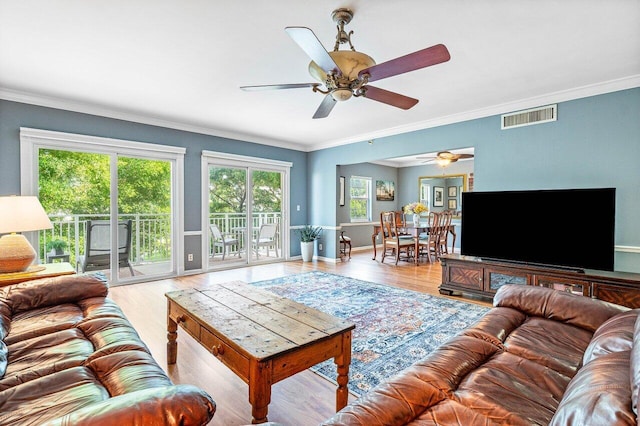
(304, 399)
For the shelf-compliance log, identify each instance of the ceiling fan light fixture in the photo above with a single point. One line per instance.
(341, 95)
(350, 63)
(443, 162)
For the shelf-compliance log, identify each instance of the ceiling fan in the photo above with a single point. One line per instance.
(444, 158)
(347, 73)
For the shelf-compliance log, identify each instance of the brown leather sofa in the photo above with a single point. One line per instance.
(68, 356)
(538, 357)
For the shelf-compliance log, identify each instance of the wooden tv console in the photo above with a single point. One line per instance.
(468, 274)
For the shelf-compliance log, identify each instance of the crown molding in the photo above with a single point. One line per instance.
(560, 96)
(92, 109)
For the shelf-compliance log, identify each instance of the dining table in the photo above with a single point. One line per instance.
(415, 231)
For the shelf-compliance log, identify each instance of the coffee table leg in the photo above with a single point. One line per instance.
(260, 390)
(342, 362)
(172, 344)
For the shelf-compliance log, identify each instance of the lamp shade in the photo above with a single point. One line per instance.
(22, 214)
(19, 214)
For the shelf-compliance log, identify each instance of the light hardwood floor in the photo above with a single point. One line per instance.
(304, 399)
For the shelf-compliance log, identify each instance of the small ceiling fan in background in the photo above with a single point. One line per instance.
(347, 73)
(444, 158)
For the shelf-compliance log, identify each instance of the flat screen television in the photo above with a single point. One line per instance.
(572, 228)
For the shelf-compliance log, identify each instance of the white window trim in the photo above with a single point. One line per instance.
(32, 140)
(369, 199)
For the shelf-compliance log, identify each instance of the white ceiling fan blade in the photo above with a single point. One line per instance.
(325, 107)
(307, 40)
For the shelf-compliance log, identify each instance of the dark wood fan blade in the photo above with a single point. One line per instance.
(307, 40)
(390, 98)
(413, 61)
(464, 155)
(325, 107)
(278, 86)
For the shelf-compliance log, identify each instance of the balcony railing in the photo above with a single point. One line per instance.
(151, 233)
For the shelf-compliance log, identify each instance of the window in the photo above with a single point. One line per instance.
(360, 199)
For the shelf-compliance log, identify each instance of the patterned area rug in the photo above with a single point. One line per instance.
(394, 327)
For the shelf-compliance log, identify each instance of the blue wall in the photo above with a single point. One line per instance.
(594, 143)
(14, 115)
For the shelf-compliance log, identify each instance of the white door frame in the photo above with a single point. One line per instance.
(250, 163)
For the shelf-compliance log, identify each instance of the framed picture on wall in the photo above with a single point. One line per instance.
(453, 204)
(341, 190)
(438, 196)
(385, 190)
(453, 191)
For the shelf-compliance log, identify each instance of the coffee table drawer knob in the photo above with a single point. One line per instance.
(217, 350)
(180, 319)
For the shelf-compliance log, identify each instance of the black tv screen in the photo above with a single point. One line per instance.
(572, 228)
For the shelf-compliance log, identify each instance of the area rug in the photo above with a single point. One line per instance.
(394, 327)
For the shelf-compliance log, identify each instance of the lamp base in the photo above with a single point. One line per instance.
(16, 254)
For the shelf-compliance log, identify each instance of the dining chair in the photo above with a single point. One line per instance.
(267, 237)
(345, 245)
(223, 240)
(401, 222)
(429, 241)
(392, 240)
(445, 223)
(97, 251)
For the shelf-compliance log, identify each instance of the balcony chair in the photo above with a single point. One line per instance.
(223, 240)
(392, 240)
(267, 237)
(97, 251)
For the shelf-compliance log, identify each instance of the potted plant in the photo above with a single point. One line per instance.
(308, 235)
(57, 246)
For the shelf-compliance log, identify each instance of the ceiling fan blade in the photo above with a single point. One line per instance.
(413, 61)
(325, 107)
(464, 156)
(390, 98)
(307, 40)
(278, 86)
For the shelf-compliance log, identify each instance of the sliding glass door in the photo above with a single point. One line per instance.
(113, 205)
(245, 219)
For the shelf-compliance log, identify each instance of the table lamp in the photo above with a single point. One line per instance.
(19, 214)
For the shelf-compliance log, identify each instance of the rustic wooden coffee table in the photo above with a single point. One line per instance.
(262, 337)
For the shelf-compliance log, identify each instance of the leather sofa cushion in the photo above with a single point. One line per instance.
(54, 395)
(52, 291)
(599, 394)
(156, 406)
(556, 305)
(614, 335)
(553, 344)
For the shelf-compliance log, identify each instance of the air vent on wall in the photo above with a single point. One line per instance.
(531, 116)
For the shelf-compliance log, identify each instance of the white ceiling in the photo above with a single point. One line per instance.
(180, 63)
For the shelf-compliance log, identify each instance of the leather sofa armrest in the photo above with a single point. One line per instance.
(52, 291)
(561, 306)
(169, 405)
